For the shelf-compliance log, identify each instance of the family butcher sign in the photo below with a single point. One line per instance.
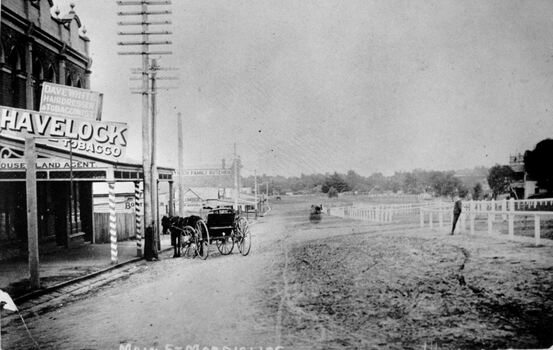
(101, 139)
(206, 172)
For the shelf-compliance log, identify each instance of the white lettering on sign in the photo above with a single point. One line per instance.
(70, 101)
(106, 140)
(207, 172)
(49, 163)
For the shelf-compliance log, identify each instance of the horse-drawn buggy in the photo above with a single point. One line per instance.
(192, 235)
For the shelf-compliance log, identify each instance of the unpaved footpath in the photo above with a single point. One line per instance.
(329, 284)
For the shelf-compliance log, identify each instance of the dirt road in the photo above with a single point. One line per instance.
(329, 284)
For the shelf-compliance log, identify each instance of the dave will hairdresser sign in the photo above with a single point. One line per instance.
(105, 140)
(70, 101)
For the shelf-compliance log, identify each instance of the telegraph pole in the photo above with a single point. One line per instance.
(181, 166)
(255, 191)
(235, 179)
(143, 32)
(153, 171)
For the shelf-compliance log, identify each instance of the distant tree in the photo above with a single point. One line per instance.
(537, 164)
(336, 181)
(332, 192)
(462, 190)
(500, 178)
(410, 183)
(446, 184)
(477, 191)
(376, 181)
(354, 180)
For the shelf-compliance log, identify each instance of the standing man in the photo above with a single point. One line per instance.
(457, 209)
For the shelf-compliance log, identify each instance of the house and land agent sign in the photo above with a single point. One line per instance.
(100, 139)
(70, 101)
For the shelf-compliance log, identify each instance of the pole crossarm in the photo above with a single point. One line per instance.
(145, 53)
(139, 71)
(139, 13)
(137, 23)
(144, 2)
(140, 43)
(150, 32)
(157, 78)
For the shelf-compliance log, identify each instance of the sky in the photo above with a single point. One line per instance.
(305, 86)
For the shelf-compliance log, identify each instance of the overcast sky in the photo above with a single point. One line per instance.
(320, 86)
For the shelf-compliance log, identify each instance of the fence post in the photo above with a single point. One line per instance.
(493, 209)
(441, 219)
(511, 218)
(472, 216)
(503, 209)
(430, 219)
(537, 229)
(421, 218)
(490, 223)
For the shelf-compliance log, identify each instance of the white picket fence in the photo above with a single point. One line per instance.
(383, 213)
(490, 210)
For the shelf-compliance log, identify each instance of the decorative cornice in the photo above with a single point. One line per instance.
(6, 152)
(23, 26)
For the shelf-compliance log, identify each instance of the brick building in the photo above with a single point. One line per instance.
(39, 44)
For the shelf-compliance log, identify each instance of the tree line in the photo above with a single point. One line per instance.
(499, 178)
(439, 183)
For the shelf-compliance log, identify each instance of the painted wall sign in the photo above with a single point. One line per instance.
(122, 204)
(207, 172)
(105, 140)
(71, 101)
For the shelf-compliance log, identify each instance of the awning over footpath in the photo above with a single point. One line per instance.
(59, 165)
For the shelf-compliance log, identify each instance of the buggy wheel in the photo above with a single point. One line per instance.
(187, 241)
(243, 236)
(201, 238)
(225, 245)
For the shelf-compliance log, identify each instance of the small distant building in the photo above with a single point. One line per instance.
(523, 186)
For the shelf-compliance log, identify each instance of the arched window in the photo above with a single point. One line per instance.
(2, 57)
(38, 71)
(79, 84)
(16, 96)
(69, 81)
(14, 60)
(38, 77)
(50, 74)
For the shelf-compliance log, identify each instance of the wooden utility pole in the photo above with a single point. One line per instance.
(144, 22)
(153, 171)
(235, 179)
(255, 192)
(181, 165)
(32, 210)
